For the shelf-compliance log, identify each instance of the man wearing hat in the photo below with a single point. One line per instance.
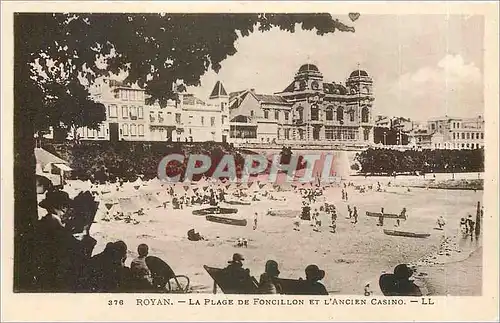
(235, 269)
(313, 276)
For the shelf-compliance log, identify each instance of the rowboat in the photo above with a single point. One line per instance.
(386, 215)
(406, 234)
(236, 202)
(219, 219)
(215, 210)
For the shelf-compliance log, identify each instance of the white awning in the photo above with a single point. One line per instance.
(63, 167)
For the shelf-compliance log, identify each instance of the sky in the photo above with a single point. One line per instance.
(423, 66)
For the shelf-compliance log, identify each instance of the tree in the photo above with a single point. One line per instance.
(56, 57)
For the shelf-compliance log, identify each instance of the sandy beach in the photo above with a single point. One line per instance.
(354, 255)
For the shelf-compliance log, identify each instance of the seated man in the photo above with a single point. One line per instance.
(235, 269)
(399, 283)
(312, 285)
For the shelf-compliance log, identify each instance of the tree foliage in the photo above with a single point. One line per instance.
(389, 161)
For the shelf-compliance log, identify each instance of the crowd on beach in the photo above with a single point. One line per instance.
(64, 246)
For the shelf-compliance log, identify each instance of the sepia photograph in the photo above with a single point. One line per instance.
(249, 153)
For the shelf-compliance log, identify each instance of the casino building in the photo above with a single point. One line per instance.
(308, 110)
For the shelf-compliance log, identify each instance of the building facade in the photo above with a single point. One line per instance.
(450, 133)
(187, 118)
(308, 110)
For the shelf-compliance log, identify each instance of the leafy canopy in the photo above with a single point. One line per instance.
(66, 52)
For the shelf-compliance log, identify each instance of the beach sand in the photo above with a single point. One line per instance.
(353, 256)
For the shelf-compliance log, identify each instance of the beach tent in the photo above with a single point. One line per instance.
(128, 205)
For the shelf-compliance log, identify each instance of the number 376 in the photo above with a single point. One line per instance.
(112, 302)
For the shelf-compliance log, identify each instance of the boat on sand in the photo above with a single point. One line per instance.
(406, 234)
(220, 219)
(386, 215)
(215, 210)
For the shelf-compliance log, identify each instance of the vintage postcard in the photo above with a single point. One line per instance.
(249, 161)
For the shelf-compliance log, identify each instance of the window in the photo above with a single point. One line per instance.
(140, 128)
(329, 113)
(340, 114)
(300, 114)
(124, 112)
(329, 133)
(433, 126)
(222, 106)
(125, 129)
(266, 114)
(160, 116)
(468, 135)
(477, 135)
(277, 114)
(202, 120)
(113, 111)
(116, 93)
(101, 132)
(140, 95)
(453, 135)
(314, 113)
(366, 134)
(212, 121)
(482, 135)
(454, 125)
(223, 120)
(178, 118)
(132, 95)
(123, 94)
(190, 132)
(251, 113)
(140, 112)
(287, 117)
(351, 115)
(463, 135)
(458, 125)
(90, 133)
(133, 113)
(133, 130)
(287, 133)
(365, 115)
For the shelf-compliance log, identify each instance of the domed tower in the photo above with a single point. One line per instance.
(308, 77)
(360, 89)
(360, 82)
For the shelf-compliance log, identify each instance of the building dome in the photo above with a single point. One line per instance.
(308, 68)
(358, 73)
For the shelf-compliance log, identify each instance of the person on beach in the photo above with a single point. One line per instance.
(440, 222)
(381, 218)
(399, 283)
(403, 214)
(235, 269)
(355, 215)
(463, 226)
(296, 223)
(349, 211)
(470, 225)
(334, 226)
(312, 285)
(343, 194)
(139, 269)
(267, 282)
(255, 219)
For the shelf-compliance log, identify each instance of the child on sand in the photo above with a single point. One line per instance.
(355, 215)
